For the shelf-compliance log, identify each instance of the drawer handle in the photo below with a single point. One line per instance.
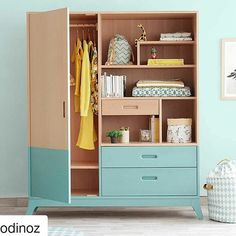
(64, 109)
(149, 156)
(152, 178)
(129, 107)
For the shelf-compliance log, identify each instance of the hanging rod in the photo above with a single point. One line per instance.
(83, 25)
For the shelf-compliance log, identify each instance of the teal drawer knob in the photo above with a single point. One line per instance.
(149, 156)
(149, 178)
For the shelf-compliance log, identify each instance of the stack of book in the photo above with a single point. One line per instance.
(179, 36)
(113, 85)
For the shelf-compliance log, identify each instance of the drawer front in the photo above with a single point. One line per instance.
(149, 157)
(130, 107)
(149, 181)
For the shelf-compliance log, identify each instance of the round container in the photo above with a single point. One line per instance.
(125, 136)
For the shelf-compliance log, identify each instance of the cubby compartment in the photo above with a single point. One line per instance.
(84, 182)
(179, 109)
(187, 75)
(135, 123)
(178, 50)
(154, 25)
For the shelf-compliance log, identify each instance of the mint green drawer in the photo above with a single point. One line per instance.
(149, 181)
(149, 157)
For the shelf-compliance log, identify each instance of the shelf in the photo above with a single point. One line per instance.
(84, 192)
(141, 43)
(149, 98)
(146, 144)
(81, 165)
(146, 67)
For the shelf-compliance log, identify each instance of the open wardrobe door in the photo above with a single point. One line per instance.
(48, 78)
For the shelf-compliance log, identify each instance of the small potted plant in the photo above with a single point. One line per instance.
(115, 135)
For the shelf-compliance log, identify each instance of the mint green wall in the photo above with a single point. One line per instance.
(217, 133)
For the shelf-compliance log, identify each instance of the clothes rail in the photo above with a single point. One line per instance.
(83, 25)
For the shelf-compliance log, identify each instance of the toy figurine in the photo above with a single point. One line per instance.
(153, 53)
(143, 36)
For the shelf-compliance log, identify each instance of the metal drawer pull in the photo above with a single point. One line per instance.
(130, 107)
(149, 156)
(208, 186)
(149, 177)
(64, 109)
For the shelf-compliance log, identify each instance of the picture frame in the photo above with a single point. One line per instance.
(228, 68)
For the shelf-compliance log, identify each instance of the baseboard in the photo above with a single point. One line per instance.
(14, 202)
(23, 202)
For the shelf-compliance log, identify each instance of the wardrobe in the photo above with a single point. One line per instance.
(135, 174)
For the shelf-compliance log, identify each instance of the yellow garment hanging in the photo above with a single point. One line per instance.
(76, 58)
(87, 133)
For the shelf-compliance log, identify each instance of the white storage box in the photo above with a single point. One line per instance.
(179, 130)
(221, 192)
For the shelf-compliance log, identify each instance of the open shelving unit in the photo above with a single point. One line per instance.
(168, 107)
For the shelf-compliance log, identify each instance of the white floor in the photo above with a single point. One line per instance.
(132, 222)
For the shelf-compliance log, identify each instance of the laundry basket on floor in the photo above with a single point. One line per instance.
(221, 192)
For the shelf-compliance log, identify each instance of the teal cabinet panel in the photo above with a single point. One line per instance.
(149, 157)
(50, 174)
(149, 181)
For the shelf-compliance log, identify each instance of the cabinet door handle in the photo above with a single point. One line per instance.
(149, 156)
(149, 178)
(130, 107)
(64, 109)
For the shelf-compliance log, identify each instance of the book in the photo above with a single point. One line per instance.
(113, 85)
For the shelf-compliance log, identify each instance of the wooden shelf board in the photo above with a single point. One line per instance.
(84, 192)
(167, 43)
(147, 144)
(78, 165)
(147, 15)
(149, 98)
(146, 67)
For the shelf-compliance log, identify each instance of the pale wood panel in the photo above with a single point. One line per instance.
(149, 144)
(146, 67)
(77, 165)
(148, 15)
(99, 77)
(176, 43)
(48, 79)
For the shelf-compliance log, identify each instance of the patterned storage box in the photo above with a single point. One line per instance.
(161, 92)
(221, 192)
(179, 130)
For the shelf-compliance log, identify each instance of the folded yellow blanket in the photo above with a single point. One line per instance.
(160, 83)
(165, 62)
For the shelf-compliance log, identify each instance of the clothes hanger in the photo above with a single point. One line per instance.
(77, 35)
(83, 34)
(94, 38)
(88, 35)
